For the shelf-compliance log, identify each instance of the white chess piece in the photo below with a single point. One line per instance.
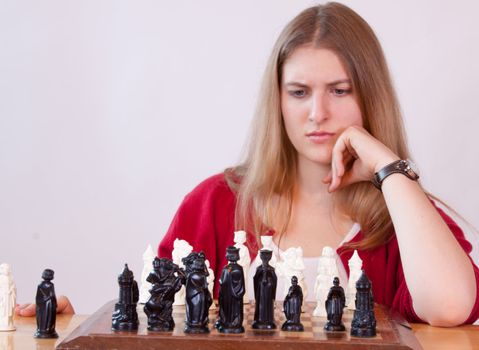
(292, 264)
(267, 243)
(181, 249)
(211, 281)
(148, 257)
(244, 260)
(8, 294)
(327, 270)
(355, 266)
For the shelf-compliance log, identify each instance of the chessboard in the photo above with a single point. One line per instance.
(393, 332)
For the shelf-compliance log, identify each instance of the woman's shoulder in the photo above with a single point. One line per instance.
(212, 187)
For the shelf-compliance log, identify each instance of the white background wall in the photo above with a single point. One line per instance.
(111, 111)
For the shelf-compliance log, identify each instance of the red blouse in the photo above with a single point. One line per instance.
(205, 219)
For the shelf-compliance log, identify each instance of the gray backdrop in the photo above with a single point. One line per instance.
(111, 111)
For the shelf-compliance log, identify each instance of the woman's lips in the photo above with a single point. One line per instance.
(320, 136)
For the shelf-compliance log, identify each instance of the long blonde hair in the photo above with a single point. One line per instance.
(269, 170)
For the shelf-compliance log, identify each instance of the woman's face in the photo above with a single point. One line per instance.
(317, 102)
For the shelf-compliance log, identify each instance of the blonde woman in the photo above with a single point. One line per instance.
(327, 124)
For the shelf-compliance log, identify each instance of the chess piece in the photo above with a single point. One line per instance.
(265, 282)
(292, 264)
(166, 279)
(181, 249)
(334, 307)
(267, 243)
(355, 265)
(125, 317)
(292, 307)
(198, 298)
(8, 295)
(327, 270)
(232, 289)
(211, 281)
(364, 321)
(244, 258)
(148, 257)
(46, 307)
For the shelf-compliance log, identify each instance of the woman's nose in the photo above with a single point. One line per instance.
(319, 109)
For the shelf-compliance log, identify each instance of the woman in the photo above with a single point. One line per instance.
(327, 124)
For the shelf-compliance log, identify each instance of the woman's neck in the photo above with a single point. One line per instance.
(309, 185)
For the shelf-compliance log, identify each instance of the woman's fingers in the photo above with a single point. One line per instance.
(25, 310)
(64, 306)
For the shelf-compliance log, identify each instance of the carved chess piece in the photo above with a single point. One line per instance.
(292, 264)
(327, 270)
(244, 258)
(166, 280)
(292, 307)
(148, 257)
(355, 265)
(232, 290)
(265, 282)
(125, 317)
(198, 298)
(334, 307)
(46, 309)
(181, 249)
(8, 295)
(267, 244)
(364, 321)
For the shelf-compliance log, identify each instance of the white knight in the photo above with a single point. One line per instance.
(292, 264)
(8, 294)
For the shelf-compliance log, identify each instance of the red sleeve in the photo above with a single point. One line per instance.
(205, 219)
(402, 299)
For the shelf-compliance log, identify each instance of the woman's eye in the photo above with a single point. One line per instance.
(341, 92)
(297, 93)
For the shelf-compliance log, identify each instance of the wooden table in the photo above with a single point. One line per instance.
(461, 338)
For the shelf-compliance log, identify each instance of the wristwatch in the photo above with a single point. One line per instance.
(405, 167)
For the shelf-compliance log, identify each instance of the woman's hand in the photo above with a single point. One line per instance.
(63, 307)
(356, 156)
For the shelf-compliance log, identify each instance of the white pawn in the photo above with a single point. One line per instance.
(211, 282)
(292, 264)
(267, 243)
(148, 257)
(327, 270)
(8, 295)
(181, 249)
(244, 260)
(355, 266)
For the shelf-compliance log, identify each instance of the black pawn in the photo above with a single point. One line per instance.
(125, 317)
(198, 298)
(46, 309)
(232, 290)
(364, 322)
(166, 280)
(265, 282)
(335, 304)
(292, 307)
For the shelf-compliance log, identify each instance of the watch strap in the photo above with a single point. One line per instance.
(400, 166)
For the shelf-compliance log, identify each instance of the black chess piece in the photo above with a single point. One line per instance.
(125, 317)
(166, 280)
(232, 290)
(364, 321)
(46, 308)
(292, 307)
(335, 304)
(198, 298)
(265, 282)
